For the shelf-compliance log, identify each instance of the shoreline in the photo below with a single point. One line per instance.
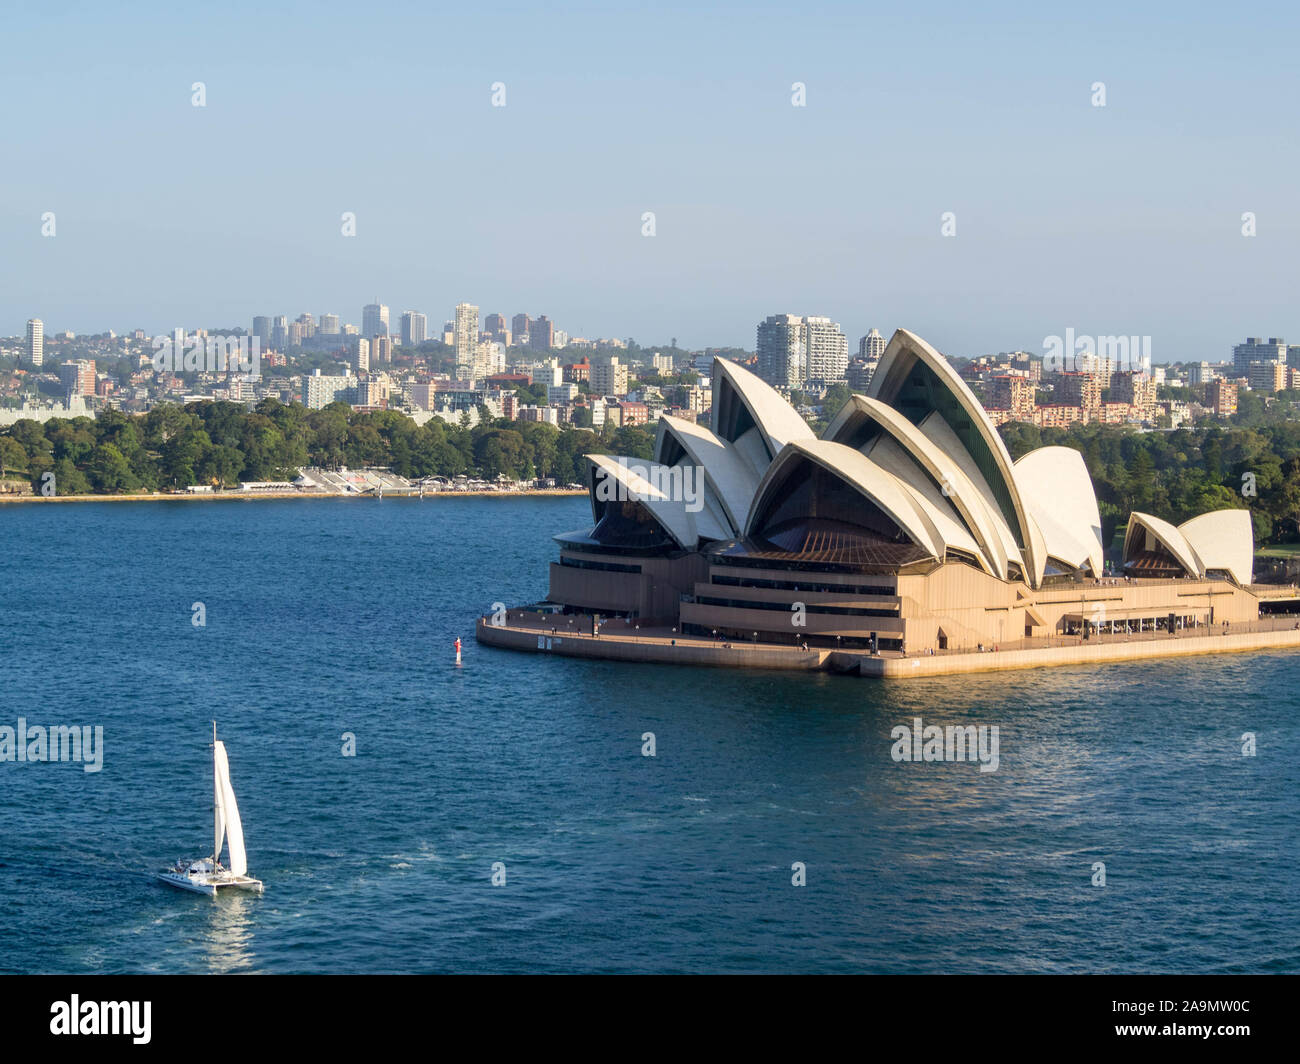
(247, 496)
(658, 648)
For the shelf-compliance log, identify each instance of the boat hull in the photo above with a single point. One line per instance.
(208, 884)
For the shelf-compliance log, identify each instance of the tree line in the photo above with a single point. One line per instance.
(220, 444)
(1254, 463)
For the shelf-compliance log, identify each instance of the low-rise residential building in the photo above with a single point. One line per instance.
(561, 393)
(628, 413)
(547, 415)
(1057, 415)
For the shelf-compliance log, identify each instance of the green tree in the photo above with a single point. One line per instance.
(835, 398)
(109, 472)
(68, 479)
(499, 452)
(634, 442)
(13, 456)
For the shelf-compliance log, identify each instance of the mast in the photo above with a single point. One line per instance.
(215, 783)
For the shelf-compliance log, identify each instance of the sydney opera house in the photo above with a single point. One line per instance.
(905, 528)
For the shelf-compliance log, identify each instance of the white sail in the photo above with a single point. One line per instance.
(218, 815)
(230, 809)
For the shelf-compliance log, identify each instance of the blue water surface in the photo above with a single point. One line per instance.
(325, 617)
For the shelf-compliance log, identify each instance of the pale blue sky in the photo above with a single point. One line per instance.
(1122, 219)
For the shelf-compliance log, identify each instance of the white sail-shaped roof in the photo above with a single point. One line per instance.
(892, 383)
(645, 482)
(906, 508)
(972, 503)
(1055, 485)
(938, 431)
(727, 472)
(752, 448)
(228, 810)
(1223, 539)
(1146, 532)
(921, 450)
(736, 389)
(928, 498)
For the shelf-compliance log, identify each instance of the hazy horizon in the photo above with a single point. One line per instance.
(1123, 219)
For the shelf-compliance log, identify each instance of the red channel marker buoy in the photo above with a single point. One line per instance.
(458, 650)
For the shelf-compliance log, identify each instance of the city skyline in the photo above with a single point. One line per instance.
(330, 324)
(1118, 219)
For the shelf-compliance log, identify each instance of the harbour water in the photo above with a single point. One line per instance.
(326, 618)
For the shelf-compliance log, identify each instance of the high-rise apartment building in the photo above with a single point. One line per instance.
(860, 370)
(1267, 377)
(858, 374)
(78, 377)
(35, 342)
(1221, 397)
(782, 356)
(609, 377)
(549, 372)
(308, 324)
(279, 331)
(1010, 391)
(490, 358)
(361, 355)
(1103, 364)
(466, 339)
(541, 334)
(318, 391)
(1080, 389)
(329, 325)
(415, 328)
(794, 351)
(424, 395)
(371, 391)
(381, 351)
(374, 320)
(827, 351)
(871, 346)
(519, 328)
(1136, 389)
(495, 325)
(262, 330)
(1256, 350)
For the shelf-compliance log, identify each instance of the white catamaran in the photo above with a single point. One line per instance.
(208, 875)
